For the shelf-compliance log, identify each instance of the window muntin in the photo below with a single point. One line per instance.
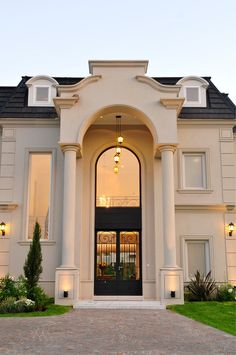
(121, 189)
(39, 191)
(198, 257)
(194, 170)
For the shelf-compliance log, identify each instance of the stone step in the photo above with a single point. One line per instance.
(88, 304)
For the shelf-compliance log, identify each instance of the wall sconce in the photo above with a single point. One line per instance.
(172, 294)
(65, 294)
(3, 228)
(231, 228)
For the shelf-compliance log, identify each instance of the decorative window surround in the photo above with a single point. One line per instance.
(183, 188)
(24, 234)
(208, 240)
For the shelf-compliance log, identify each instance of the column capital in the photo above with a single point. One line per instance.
(167, 147)
(74, 147)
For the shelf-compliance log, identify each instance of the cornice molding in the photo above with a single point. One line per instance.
(8, 206)
(216, 207)
(117, 63)
(158, 86)
(29, 122)
(173, 104)
(206, 121)
(65, 103)
(81, 84)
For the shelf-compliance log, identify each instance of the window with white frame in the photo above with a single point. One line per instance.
(194, 170)
(39, 192)
(42, 95)
(196, 257)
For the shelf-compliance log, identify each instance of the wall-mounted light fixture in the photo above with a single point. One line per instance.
(65, 294)
(3, 228)
(231, 228)
(172, 294)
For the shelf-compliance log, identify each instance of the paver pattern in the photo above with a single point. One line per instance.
(154, 332)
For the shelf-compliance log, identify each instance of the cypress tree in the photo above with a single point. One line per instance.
(33, 263)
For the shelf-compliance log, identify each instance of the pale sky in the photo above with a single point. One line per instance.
(179, 38)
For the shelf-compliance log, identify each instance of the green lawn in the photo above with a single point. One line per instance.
(52, 310)
(220, 315)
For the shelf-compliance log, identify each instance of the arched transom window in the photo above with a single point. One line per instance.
(118, 189)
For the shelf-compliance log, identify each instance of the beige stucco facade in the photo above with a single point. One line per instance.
(171, 214)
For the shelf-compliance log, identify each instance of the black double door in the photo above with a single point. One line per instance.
(118, 251)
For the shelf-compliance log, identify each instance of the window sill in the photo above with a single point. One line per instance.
(194, 191)
(42, 242)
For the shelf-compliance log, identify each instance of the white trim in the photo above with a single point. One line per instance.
(203, 82)
(208, 252)
(25, 220)
(206, 170)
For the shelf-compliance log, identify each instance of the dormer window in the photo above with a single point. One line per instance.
(42, 94)
(194, 91)
(42, 90)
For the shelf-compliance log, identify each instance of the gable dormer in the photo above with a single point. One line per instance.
(193, 89)
(41, 90)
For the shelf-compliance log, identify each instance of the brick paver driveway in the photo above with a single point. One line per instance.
(112, 332)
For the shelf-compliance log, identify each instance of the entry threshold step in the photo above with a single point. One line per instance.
(118, 305)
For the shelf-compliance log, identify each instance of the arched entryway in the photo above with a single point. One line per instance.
(118, 256)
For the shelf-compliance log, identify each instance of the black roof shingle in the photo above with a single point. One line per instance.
(13, 102)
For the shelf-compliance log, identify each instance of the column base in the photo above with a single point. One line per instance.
(172, 285)
(67, 286)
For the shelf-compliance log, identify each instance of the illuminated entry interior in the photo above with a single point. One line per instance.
(118, 255)
(121, 189)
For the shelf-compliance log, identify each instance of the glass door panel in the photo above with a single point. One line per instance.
(106, 255)
(118, 263)
(129, 256)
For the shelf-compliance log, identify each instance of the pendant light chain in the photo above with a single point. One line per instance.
(119, 141)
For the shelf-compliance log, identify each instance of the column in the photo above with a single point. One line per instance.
(167, 153)
(68, 229)
(67, 275)
(171, 276)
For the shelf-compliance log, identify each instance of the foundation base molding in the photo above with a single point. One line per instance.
(172, 285)
(67, 286)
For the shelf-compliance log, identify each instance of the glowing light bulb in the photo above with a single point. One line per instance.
(120, 139)
(116, 169)
(116, 158)
(118, 150)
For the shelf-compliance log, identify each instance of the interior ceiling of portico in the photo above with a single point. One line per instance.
(110, 119)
